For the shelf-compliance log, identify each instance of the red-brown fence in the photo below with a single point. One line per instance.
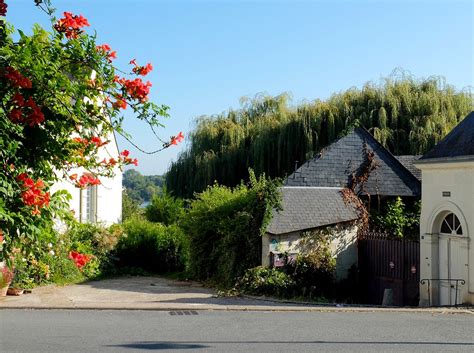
(387, 263)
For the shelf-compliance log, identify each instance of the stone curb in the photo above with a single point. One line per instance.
(362, 307)
(247, 308)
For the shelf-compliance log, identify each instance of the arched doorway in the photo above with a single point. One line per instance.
(453, 257)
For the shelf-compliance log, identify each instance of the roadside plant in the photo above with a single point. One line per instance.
(61, 101)
(266, 281)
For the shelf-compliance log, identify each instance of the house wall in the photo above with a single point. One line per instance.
(457, 178)
(343, 246)
(108, 195)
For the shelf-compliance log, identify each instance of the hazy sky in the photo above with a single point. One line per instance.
(208, 54)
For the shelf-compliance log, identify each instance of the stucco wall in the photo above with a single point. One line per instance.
(109, 193)
(343, 246)
(457, 179)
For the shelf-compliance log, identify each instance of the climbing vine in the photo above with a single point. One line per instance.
(61, 101)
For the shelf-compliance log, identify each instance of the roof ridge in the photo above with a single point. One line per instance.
(389, 153)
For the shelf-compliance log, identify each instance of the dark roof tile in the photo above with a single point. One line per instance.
(458, 143)
(307, 208)
(335, 164)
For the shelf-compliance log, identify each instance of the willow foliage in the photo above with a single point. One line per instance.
(406, 115)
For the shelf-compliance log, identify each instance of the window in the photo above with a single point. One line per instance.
(451, 225)
(89, 204)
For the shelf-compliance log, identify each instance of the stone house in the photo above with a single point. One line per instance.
(447, 219)
(312, 196)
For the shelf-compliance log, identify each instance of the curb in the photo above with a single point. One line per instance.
(314, 308)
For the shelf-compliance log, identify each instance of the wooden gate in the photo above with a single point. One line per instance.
(387, 263)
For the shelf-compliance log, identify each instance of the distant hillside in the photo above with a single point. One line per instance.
(407, 115)
(140, 187)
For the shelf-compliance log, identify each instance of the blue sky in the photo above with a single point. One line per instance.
(209, 54)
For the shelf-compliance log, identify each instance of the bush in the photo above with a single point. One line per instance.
(153, 247)
(314, 269)
(266, 281)
(95, 241)
(165, 209)
(50, 261)
(225, 225)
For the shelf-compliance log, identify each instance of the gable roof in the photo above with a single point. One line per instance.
(458, 144)
(408, 162)
(307, 208)
(334, 166)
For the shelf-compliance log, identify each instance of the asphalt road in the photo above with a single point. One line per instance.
(233, 331)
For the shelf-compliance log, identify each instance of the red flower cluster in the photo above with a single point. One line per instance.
(141, 70)
(136, 88)
(16, 78)
(125, 159)
(80, 260)
(95, 140)
(28, 108)
(85, 180)
(120, 103)
(111, 162)
(33, 194)
(3, 8)
(71, 25)
(107, 50)
(177, 139)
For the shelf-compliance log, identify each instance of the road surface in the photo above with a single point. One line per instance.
(233, 331)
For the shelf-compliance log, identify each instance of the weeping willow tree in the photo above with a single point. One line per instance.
(408, 116)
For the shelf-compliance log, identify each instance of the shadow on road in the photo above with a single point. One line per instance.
(206, 344)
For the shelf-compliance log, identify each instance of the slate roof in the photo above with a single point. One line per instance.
(458, 144)
(335, 164)
(408, 162)
(306, 208)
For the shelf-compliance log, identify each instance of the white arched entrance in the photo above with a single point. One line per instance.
(449, 225)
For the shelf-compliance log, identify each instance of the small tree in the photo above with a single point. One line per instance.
(397, 220)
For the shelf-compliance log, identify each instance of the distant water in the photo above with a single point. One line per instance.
(145, 204)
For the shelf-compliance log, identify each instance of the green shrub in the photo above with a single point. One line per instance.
(96, 241)
(49, 262)
(153, 247)
(266, 281)
(165, 209)
(225, 225)
(398, 219)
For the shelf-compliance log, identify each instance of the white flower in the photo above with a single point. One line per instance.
(51, 252)
(23, 259)
(50, 245)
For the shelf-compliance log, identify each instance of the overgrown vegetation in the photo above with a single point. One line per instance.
(311, 275)
(52, 260)
(153, 247)
(398, 219)
(165, 209)
(408, 116)
(224, 226)
(266, 281)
